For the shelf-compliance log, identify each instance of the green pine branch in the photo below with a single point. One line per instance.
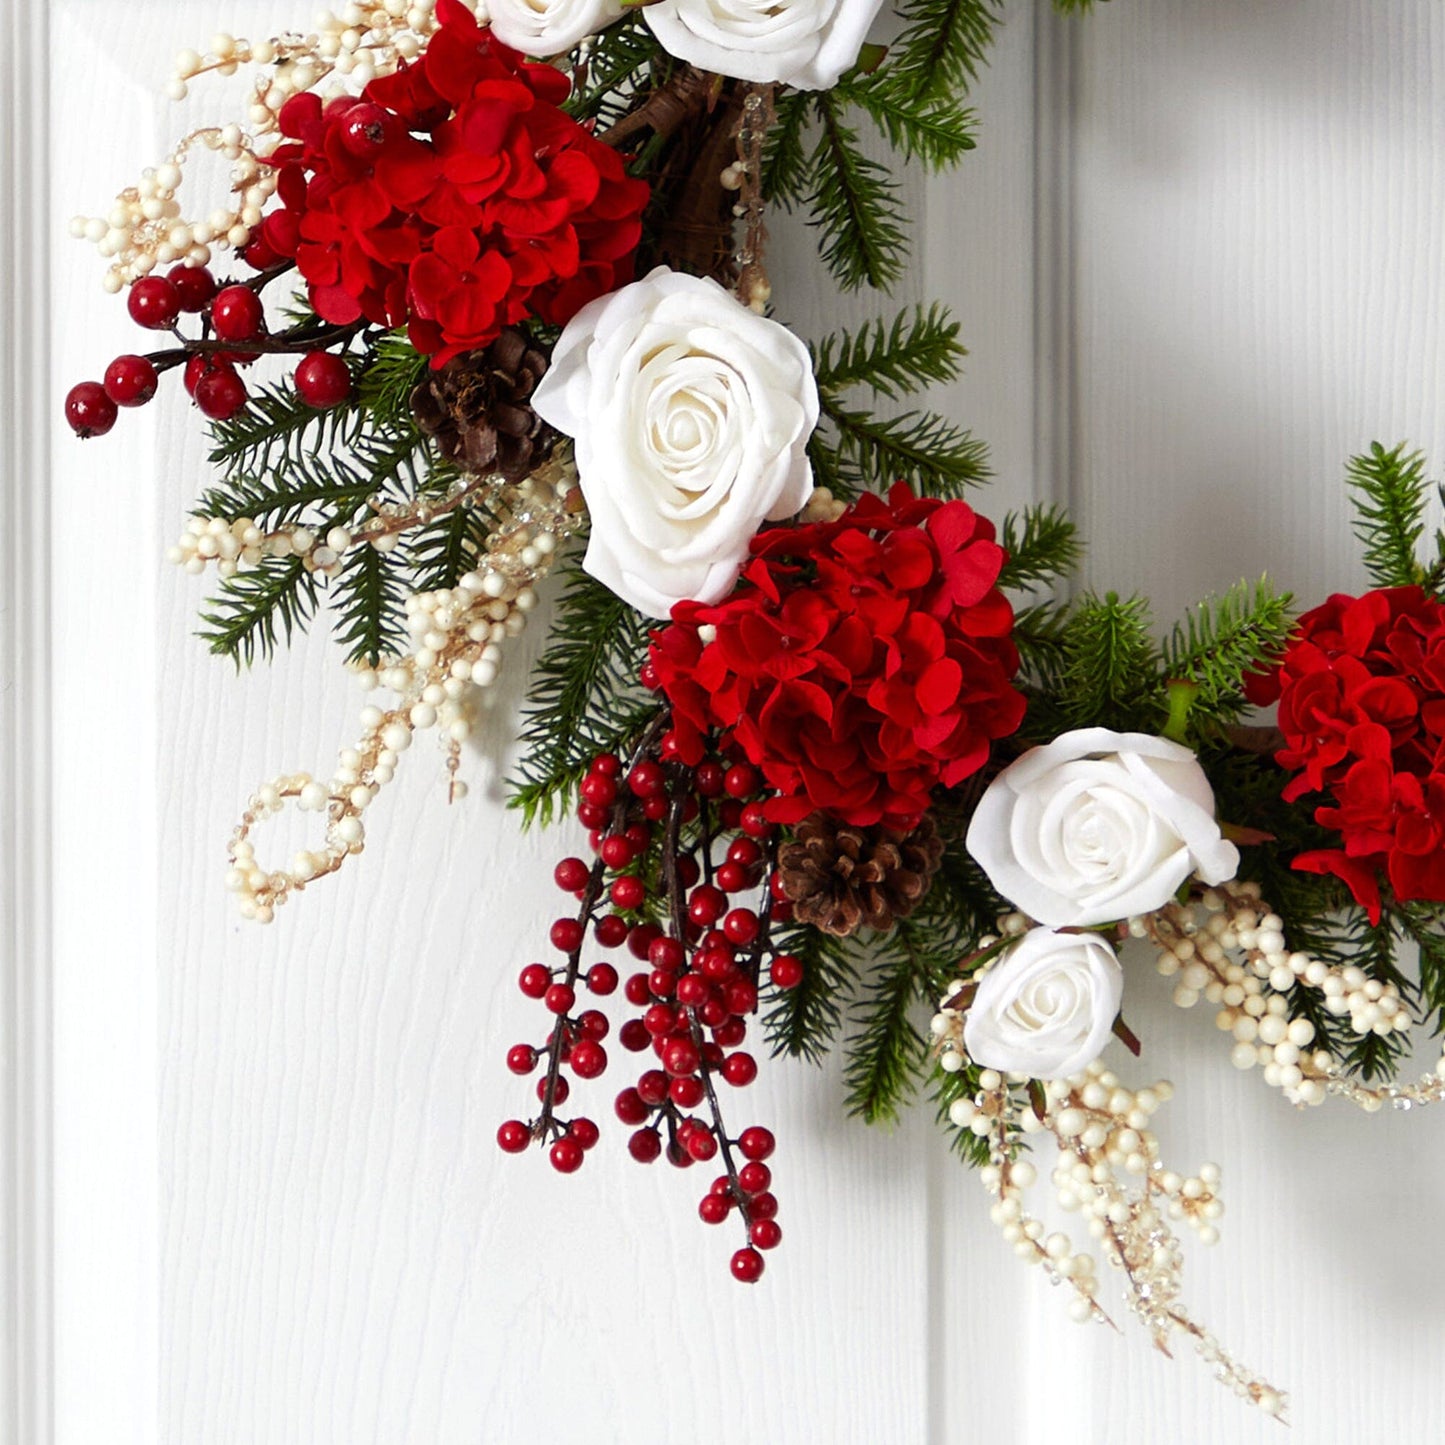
(1222, 640)
(609, 77)
(943, 43)
(936, 456)
(256, 608)
(932, 125)
(854, 204)
(1043, 546)
(920, 348)
(443, 553)
(369, 607)
(392, 371)
(276, 428)
(583, 696)
(804, 1021)
(1388, 493)
(1111, 670)
(785, 150)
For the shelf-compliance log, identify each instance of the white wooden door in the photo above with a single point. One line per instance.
(252, 1194)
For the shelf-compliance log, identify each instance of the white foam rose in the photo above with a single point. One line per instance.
(1098, 826)
(1047, 1007)
(548, 27)
(803, 43)
(690, 416)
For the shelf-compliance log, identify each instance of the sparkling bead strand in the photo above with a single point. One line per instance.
(458, 633)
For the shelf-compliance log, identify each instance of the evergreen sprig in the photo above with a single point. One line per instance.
(1043, 546)
(276, 429)
(1110, 676)
(804, 1021)
(584, 695)
(370, 607)
(256, 609)
(1388, 492)
(1218, 643)
(944, 43)
(785, 150)
(919, 348)
(937, 456)
(931, 125)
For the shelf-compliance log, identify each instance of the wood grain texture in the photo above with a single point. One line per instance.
(1192, 280)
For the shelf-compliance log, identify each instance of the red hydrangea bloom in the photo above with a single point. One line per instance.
(858, 664)
(454, 196)
(1361, 692)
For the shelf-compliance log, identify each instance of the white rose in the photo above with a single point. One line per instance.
(1047, 1007)
(548, 27)
(1098, 826)
(803, 43)
(690, 416)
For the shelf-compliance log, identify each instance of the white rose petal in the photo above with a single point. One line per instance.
(1046, 1008)
(549, 27)
(803, 43)
(1098, 826)
(690, 416)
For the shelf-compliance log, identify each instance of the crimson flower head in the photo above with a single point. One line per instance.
(858, 664)
(1362, 707)
(453, 197)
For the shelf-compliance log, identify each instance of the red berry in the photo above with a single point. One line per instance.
(635, 990)
(730, 1034)
(630, 1108)
(647, 676)
(594, 1024)
(521, 1058)
(741, 926)
(615, 851)
(741, 781)
(709, 779)
(747, 1266)
(194, 284)
(681, 1057)
(741, 997)
(688, 871)
(755, 821)
(559, 998)
(678, 1156)
(602, 979)
(220, 393)
(786, 971)
(571, 874)
(713, 1012)
(754, 1178)
(590, 815)
(514, 1136)
(691, 990)
(259, 254)
(756, 1142)
(633, 1036)
(629, 893)
(644, 1146)
(687, 1093)
(740, 1069)
(646, 780)
(154, 303)
(608, 764)
(732, 878)
(659, 1020)
(611, 930)
(89, 411)
(599, 790)
(323, 380)
(652, 1087)
(566, 935)
(588, 1059)
(363, 131)
(654, 809)
(237, 314)
(714, 1208)
(666, 953)
(585, 1132)
(130, 380)
(566, 1155)
(745, 851)
(706, 905)
(661, 983)
(730, 814)
(534, 980)
(560, 1089)
(766, 1234)
(641, 938)
(762, 1206)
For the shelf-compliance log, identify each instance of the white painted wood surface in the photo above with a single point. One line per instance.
(1197, 258)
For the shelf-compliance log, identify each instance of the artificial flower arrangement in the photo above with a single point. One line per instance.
(840, 749)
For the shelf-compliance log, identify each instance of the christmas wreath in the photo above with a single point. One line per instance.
(840, 744)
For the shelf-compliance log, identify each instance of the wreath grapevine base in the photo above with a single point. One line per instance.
(839, 745)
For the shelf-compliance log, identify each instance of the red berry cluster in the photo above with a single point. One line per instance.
(233, 334)
(674, 851)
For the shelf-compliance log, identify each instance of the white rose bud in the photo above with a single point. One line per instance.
(1098, 826)
(803, 43)
(549, 27)
(690, 416)
(1047, 1007)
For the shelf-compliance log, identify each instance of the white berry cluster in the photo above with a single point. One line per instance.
(458, 634)
(1109, 1170)
(1230, 950)
(145, 227)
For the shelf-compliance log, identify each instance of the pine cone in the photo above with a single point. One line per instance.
(839, 877)
(478, 407)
